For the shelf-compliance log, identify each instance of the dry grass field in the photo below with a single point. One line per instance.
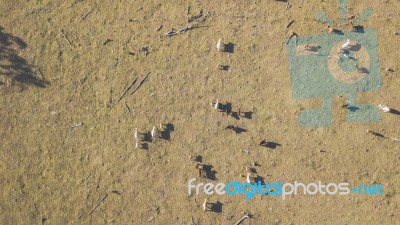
(67, 141)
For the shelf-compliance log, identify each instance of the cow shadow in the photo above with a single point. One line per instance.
(209, 172)
(166, 133)
(248, 115)
(395, 111)
(230, 47)
(216, 207)
(227, 107)
(270, 144)
(147, 136)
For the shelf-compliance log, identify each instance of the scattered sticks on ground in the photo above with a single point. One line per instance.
(183, 29)
(65, 36)
(140, 84)
(199, 18)
(126, 90)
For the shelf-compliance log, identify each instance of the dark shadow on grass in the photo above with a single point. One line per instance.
(210, 173)
(227, 107)
(230, 47)
(147, 137)
(269, 144)
(166, 133)
(353, 108)
(395, 112)
(216, 207)
(145, 146)
(248, 115)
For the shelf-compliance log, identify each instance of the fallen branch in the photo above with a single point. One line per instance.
(102, 200)
(87, 14)
(129, 109)
(289, 24)
(127, 89)
(65, 37)
(140, 84)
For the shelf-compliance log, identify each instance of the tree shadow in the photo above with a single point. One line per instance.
(14, 67)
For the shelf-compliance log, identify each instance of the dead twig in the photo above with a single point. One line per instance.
(97, 205)
(140, 84)
(127, 107)
(80, 216)
(65, 37)
(126, 90)
(87, 14)
(293, 34)
(289, 24)
(40, 72)
(242, 219)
